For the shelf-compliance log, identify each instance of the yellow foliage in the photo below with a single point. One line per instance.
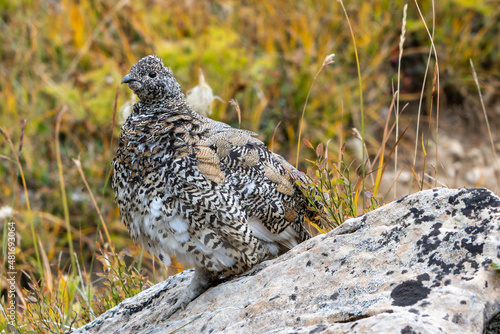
(77, 24)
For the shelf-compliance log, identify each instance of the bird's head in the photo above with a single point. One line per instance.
(152, 81)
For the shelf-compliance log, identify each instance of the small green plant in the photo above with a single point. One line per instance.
(50, 306)
(331, 193)
(68, 302)
(119, 280)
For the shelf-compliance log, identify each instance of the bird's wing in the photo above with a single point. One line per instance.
(233, 160)
(264, 180)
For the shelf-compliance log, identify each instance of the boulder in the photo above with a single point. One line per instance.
(417, 265)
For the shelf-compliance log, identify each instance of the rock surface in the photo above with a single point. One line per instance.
(417, 265)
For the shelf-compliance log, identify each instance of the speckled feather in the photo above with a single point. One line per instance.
(187, 186)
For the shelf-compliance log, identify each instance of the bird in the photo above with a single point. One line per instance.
(212, 196)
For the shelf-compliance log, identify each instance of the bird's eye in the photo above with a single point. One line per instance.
(152, 74)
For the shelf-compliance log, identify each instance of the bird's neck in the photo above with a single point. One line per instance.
(173, 104)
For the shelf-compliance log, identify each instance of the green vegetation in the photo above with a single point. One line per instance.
(61, 63)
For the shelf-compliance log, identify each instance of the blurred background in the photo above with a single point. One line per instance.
(61, 63)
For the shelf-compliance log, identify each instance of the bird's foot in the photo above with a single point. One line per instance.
(200, 283)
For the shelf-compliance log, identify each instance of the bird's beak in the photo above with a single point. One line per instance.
(127, 79)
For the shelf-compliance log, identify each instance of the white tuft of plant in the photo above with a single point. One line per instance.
(126, 108)
(5, 212)
(200, 97)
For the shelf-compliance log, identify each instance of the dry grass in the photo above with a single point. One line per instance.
(72, 249)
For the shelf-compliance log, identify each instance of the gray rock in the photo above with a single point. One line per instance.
(417, 265)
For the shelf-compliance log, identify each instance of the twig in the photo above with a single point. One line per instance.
(360, 83)
(401, 42)
(485, 114)
(328, 60)
(80, 170)
(63, 188)
(437, 77)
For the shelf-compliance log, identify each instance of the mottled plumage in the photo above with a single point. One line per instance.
(212, 196)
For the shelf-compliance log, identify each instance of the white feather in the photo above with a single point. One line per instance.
(182, 237)
(202, 248)
(223, 258)
(155, 207)
(287, 238)
(171, 243)
(178, 224)
(272, 248)
(249, 187)
(166, 259)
